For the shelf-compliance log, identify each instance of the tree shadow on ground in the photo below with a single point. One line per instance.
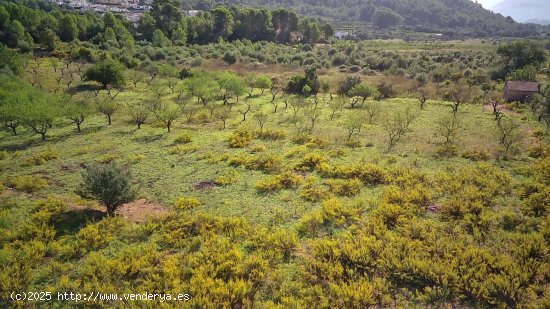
(73, 220)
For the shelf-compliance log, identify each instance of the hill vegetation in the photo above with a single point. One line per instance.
(245, 168)
(453, 17)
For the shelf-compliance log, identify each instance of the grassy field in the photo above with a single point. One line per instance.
(166, 173)
(300, 216)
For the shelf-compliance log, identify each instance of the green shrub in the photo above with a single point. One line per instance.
(108, 158)
(345, 187)
(353, 143)
(284, 180)
(263, 162)
(136, 158)
(226, 179)
(539, 151)
(338, 152)
(390, 215)
(42, 157)
(337, 214)
(3, 154)
(296, 151)
(369, 174)
(476, 155)
(311, 161)
(230, 57)
(538, 203)
(447, 150)
(186, 203)
(258, 148)
(313, 191)
(183, 138)
(109, 184)
(30, 183)
(310, 224)
(240, 138)
(272, 134)
(183, 149)
(316, 142)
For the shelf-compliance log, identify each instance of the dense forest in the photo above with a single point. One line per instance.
(23, 23)
(455, 17)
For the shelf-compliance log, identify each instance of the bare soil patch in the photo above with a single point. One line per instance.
(204, 185)
(141, 210)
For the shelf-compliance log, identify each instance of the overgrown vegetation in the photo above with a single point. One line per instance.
(351, 174)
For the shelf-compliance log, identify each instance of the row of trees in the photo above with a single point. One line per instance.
(24, 23)
(462, 17)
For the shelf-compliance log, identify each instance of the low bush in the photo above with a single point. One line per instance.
(316, 142)
(240, 138)
(369, 174)
(183, 138)
(311, 161)
(135, 158)
(448, 150)
(258, 148)
(30, 183)
(313, 191)
(271, 134)
(108, 158)
(353, 143)
(186, 203)
(284, 180)
(345, 187)
(538, 203)
(183, 149)
(226, 179)
(42, 157)
(476, 155)
(264, 162)
(539, 151)
(296, 151)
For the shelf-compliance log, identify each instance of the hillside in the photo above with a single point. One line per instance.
(242, 158)
(525, 11)
(456, 16)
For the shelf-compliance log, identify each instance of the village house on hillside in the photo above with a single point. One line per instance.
(520, 91)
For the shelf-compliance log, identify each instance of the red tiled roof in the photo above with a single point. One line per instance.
(523, 86)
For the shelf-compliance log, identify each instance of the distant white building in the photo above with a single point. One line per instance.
(339, 35)
(192, 13)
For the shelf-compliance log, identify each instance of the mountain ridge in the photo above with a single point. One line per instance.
(462, 17)
(524, 11)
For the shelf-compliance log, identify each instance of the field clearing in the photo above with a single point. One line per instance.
(165, 176)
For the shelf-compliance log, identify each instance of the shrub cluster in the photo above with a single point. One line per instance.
(240, 138)
(284, 180)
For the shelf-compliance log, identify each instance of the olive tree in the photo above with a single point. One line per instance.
(109, 184)
(106, 72)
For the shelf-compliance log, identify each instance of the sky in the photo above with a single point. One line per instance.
(488, 3)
